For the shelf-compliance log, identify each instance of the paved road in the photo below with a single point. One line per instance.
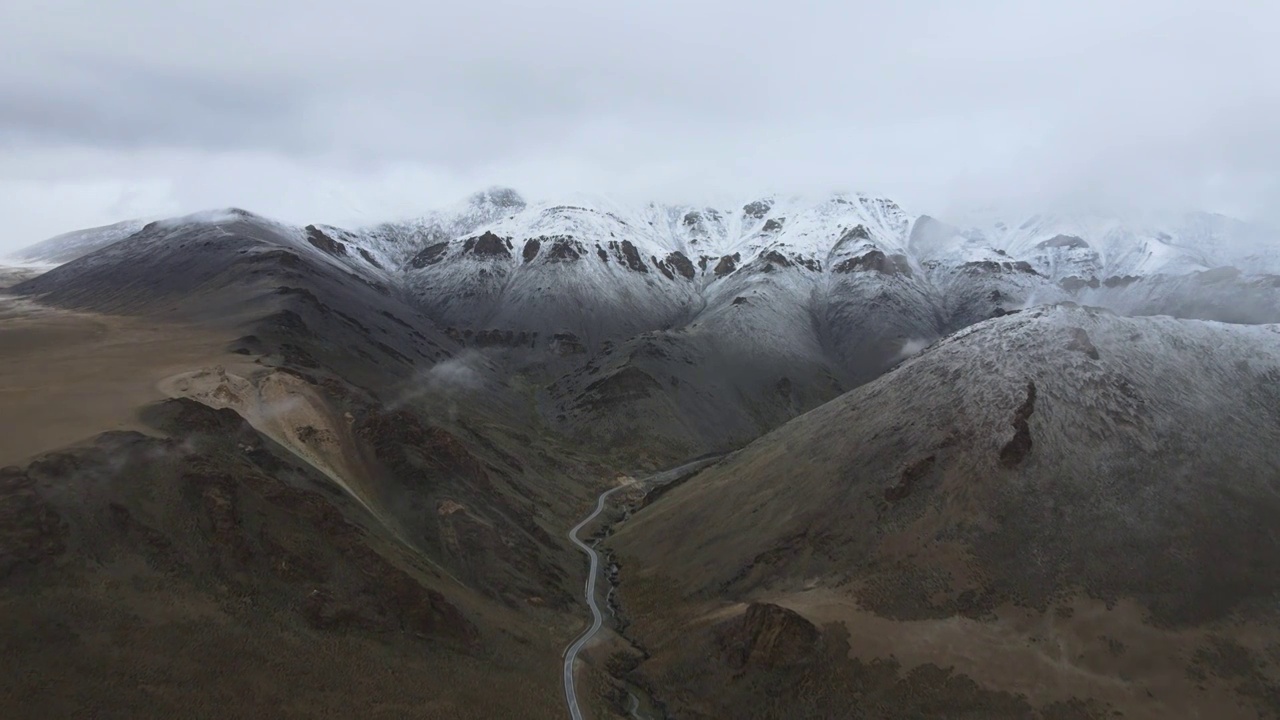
(597, 619)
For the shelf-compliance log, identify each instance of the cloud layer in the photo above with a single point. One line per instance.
(334, 112)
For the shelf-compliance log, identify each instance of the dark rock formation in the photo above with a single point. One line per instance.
(487, 245)
(429, 255)
(757, 209)
(727, 264)
(876, 261)
(317, 238)
(531, 249)
(1063, 241)
(1017, 449)
(769, 636)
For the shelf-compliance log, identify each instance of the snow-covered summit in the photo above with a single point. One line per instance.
(596, 267)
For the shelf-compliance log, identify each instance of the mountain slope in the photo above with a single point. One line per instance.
(332, 488)
(1096, 488)
(376, 438)
(624, 315)
(78, 243)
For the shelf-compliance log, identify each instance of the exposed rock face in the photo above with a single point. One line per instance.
(774, 257)
(429, 255)
(854, 234)
(1016, 450)
(1074, 284)
(1120, 281)
(726, 265)
(1064, 241)
(1081, 343)
(564, 249)
(631, 256)
(531, 247)
(681, 264)
(876, 261)
(757, 209)
(316, 237)
(769, 636)
(979, 267)
(487, 245)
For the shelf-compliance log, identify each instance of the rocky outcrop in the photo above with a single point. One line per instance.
(768, 636)
(531, 249)
(991, 267)
(1017, 449)
(317, 238)
(487, 245)
(1075, 283)
(562, 248)
(430, 255)
(876, 261)
(628, 255)
(678, 263)
(757, 209)
(727, 264)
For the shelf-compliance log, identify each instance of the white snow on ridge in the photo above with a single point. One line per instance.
(1143, 246)
(800, 234)
(68, 246)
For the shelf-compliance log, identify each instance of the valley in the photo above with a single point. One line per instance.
(890, 466)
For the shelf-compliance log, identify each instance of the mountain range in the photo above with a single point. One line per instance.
(978, 467)
(792, 300)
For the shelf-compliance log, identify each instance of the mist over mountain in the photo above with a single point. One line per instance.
(639, 361)
(983, 429)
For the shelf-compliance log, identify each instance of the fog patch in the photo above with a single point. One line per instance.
(912, 346)
(457, 374)
(447, 382)
(204, 217)
(1032, 300)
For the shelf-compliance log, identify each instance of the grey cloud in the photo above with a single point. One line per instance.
(331, 111)
(96, 100)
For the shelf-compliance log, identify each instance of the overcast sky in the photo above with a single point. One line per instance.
(351, 112)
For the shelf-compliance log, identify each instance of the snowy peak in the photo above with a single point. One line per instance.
(69, 246)
(494, 255)
(1097, 247)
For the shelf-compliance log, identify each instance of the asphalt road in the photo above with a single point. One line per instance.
(597, 618)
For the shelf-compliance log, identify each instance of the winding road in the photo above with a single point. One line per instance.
(597, 618)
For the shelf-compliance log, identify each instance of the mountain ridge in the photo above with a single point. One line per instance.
(618, 306)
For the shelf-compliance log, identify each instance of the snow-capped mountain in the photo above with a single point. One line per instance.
(851, 274)
(1062, 457)
(716, 323)
(784, 268)
(77, 243)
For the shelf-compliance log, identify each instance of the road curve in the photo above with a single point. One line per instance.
(597, 618)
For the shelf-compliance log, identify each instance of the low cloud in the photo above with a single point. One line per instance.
(446, 383)
(940, 106)
(458, 374)
(912, 346)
